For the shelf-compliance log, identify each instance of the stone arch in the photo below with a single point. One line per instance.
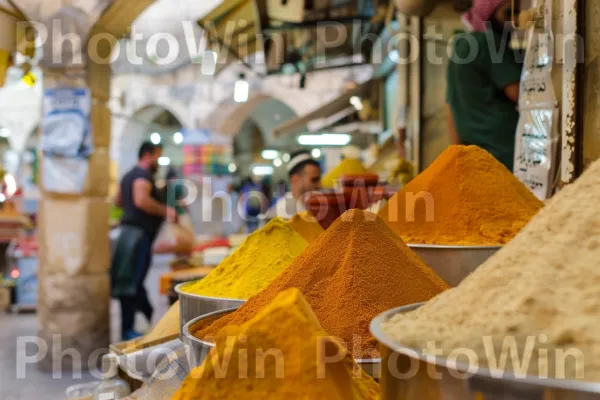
(228, 117)
(135, 128)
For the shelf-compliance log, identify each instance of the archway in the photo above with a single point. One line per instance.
(139, 127)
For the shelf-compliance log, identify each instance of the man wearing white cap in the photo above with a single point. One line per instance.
(483, 81)
(305, 177)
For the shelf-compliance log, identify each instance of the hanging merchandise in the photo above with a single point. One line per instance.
(205, 153)
(537, 133)
(66, 142)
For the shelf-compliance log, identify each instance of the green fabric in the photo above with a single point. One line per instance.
(175, 193)
(124, 261)
(482, 113)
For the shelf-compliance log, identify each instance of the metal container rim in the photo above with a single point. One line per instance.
(452, 247)
(190, 336)
(375, 327)
(180, 292)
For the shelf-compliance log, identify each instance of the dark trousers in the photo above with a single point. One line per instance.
(140, 302)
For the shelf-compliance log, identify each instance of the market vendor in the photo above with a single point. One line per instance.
(483, 82)
(305, 177)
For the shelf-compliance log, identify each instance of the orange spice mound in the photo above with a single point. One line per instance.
(466, 197)
(354, 271)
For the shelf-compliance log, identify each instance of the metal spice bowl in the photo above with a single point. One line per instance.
(407, 374)
(192, 306)
(454, 263)
(198, 349)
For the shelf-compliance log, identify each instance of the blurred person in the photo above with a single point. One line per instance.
(143, 215)
(251, 196)
(484, 82)
(305, 177)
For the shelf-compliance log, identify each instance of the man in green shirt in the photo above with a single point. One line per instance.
(483, 82)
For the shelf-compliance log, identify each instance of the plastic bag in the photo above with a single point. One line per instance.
(174, 238)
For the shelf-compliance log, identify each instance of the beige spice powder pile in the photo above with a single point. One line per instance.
(541, 288)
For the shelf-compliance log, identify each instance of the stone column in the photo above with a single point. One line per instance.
(74, 291)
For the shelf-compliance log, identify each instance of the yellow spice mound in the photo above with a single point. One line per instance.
(348, 166)
(541, 290)
(252, 266)
(289, 333)
(466, 197)
(307, 226)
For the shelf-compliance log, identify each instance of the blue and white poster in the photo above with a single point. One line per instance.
(66, 139)
(66, 128)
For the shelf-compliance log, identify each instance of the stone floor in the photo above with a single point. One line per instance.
(37, 385)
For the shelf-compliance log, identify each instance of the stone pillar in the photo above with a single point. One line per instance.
(74, 248)
(74, 294)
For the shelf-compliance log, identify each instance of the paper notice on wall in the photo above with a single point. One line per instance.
(537, 133)
(66, 128)
(66, 140)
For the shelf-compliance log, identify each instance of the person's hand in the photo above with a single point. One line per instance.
(171, 214)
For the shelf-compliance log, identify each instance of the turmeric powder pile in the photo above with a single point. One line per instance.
(252, 266)
(538, 296)
(307, 226)
(348, 166)
(466, 197)
(277, 355)
(354, 271)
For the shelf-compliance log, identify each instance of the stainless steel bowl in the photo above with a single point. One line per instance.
(409, 374)
(192, 306)
(371, 366)
(454, 263)
(198, 349)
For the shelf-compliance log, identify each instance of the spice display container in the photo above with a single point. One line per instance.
(454, 263)
(408, 374)
(192, 306)
(199, 349)
(326, 207)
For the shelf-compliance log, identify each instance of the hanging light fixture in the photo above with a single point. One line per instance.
(178, 137)
(242, 89)
(155, 138)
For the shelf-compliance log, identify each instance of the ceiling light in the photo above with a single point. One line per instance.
(356, 102)
(232, 168)
(269, 154)
(164, 161)
(316, 153)
(327, 139)
(277, 162)
(177, 138)
(286, 157)
(155, 138)
(242, 90)
(262, 170)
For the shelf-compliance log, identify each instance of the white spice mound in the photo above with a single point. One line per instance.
(542, 290)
